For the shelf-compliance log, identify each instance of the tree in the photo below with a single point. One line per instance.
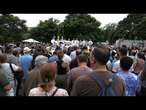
(109, 31)
(45, 30)
(141, 29)
(26, 36)
(81, 26)
(128, 27)
(11, 28)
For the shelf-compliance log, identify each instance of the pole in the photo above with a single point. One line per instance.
(58, 35)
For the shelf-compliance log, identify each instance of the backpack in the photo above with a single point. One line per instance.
(105, 90)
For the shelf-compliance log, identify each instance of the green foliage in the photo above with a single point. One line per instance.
(11, 28)
(109, 32)
(45, 30)
(131, 27)
(81, 26)
(141, 29)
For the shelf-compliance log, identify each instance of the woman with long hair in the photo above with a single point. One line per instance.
(48, 88)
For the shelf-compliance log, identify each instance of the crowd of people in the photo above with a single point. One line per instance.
(29, 69)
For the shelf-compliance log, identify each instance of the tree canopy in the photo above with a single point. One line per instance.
(45, 30)
(81, 26)
(132, 27)
(11, 28)
(109, 31)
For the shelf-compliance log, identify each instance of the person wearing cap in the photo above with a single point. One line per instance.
(25, 61)
(34, 77)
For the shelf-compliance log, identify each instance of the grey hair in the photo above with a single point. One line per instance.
(40, 59)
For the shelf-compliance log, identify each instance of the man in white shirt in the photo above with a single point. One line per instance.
(122, 53)
(62, 68)
(65, 58)
(73, 53)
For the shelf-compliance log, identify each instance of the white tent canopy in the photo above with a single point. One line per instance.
(31, 40)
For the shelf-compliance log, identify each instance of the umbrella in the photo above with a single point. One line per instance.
(31, 40)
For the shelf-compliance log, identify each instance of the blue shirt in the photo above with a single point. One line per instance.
(131, 82)
(25, 61)
(53, 58)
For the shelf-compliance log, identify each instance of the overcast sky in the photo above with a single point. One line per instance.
(33, 19)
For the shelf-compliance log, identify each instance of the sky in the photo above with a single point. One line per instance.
(33, 19)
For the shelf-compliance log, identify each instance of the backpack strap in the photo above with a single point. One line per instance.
(54, 92)
(14, 73)
(95, 77)
(103, 86)
(112, 83)
(12, 68)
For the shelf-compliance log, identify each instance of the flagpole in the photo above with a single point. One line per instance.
(58, 40)
(58, 36)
